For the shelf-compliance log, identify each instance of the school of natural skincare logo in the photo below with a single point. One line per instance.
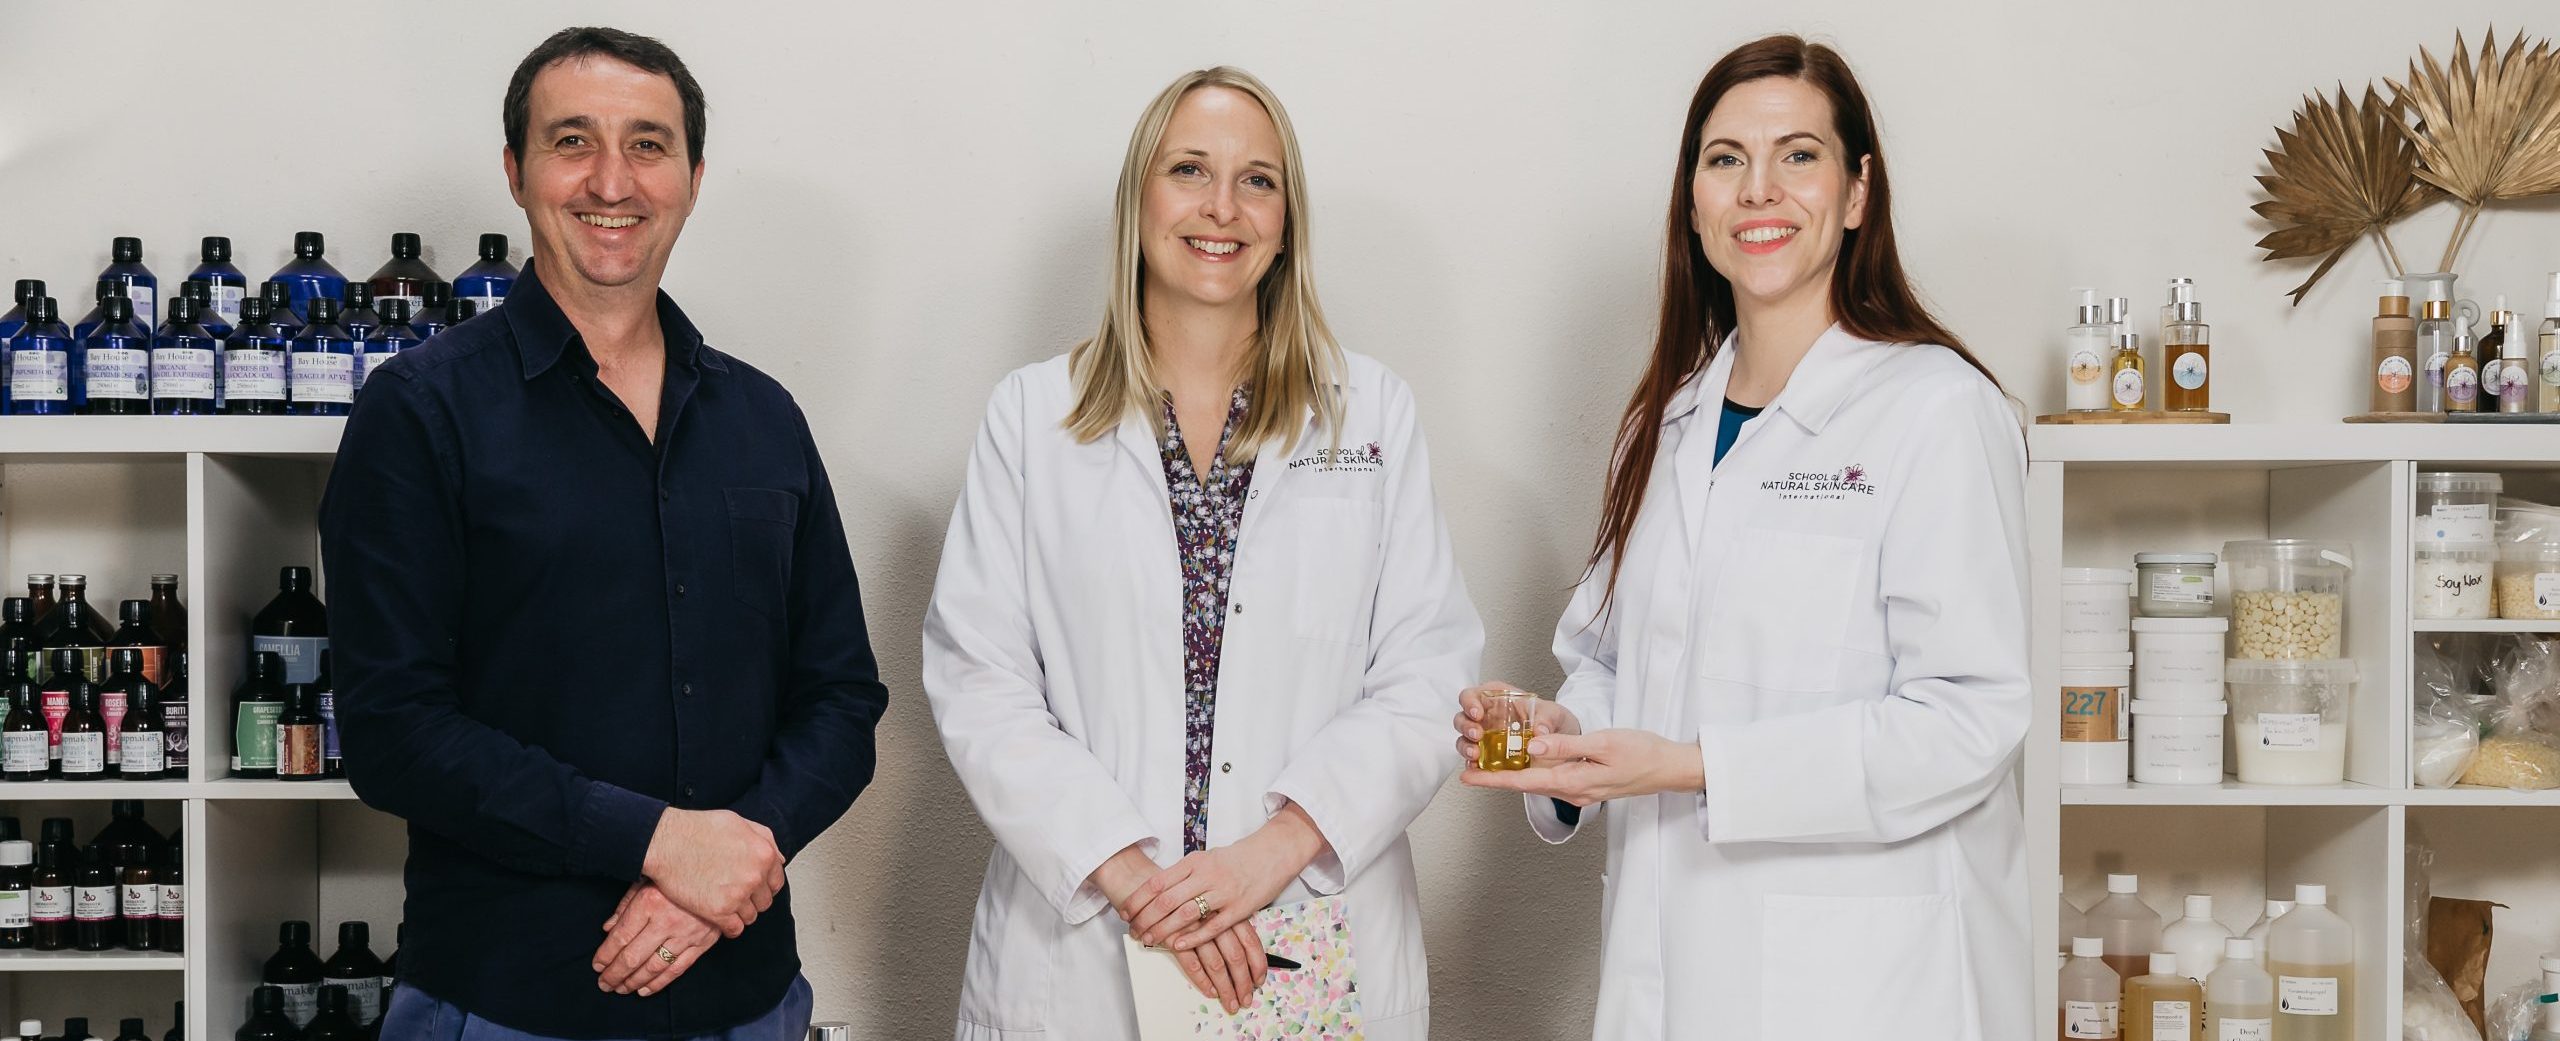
(1838, 484)
(1362, 459)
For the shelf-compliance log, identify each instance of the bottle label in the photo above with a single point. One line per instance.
(301, 655)
(2189, 370)
(298, 750)
(2181, 589)
(2093, 714)
(173, 734)
(329, 724)
(2093, 1020)
(14, 910)
(84, 755)
(172, 903)
(93, 903)
(2289, 731)
(2128, 387)
(324, 377)
(2307, 995)
(39, 375)
(146, 302)
(2393, 375)
(370, 360)
(2509, 379)
(226, 302)
(2435, 368)
(2461, 385)
(182, 373)
(141, 902)
(2172, 1021)
(49, 903)
(112, 708)
(2551, 361)
(2247, 1030)
(256, 731)
(301, 1001)
(25, 753)
(364, 997)
(143, 753)
(2086, 369)
(486, 303)
(56, 706)
(2546, 590)
(119, 374)
(249, 374)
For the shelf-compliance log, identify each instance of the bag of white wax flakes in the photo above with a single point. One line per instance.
(2445, 725)
(2521, 748)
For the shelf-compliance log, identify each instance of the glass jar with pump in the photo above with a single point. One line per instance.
(2127, 386)
(2186, 353)
(2395, 351)
(2087, 345)
(2435, 335)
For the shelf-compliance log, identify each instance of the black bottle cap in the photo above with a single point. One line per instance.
(395, 311)
(109, 288)
(134, 612)
(29, 289)
(125, 659)
(75, 1028)
(310, 245)
(438, 294)
(183, 310)
(217, 250)
(17, 609)
(42, 311)
(294, 934)
(465, 310)
(253, 311)
(132, 1026)
(293, 578)
(196, 289)
(359, 294)
(128, 250)
(267, 1000)
(354, 934)
(276, 294)
(66, 659)
(116, 310)
(404, 245)
(493, 247)
(323, 310)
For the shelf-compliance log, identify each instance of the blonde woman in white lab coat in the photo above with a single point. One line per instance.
(1197, 615)
(1796, 672)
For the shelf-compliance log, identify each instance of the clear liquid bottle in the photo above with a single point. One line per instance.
(2462, 371)
(2435, 343)
(2128, 929)
(2514, 380)
(2240, 997)
(2163, 1004)
(2311, 952)
(2196, 938)
(2092, 993)
(2128, 385)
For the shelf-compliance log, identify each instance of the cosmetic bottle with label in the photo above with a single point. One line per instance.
(387, 342)
(404, 276)
(433, 313)
(2511, 373)
(227, 286)
(2311, 953)
(184, 357)
(2488, 352)
(114, 364)
(40, 364)
(309, 275)
(294, 625)
(2435, 343)
(2186, 352)
(253, 365)
(136, 282)
(2462, 371)
(27, 291)
(2092, 993)
(2128, 387)
(296, 971)
(102, 290)
(2395, 351)
(2240, 998)
(281, 312)
(2085, 349)
(2163, 1004)
(258, 702)
(488, 282)
(321, 370)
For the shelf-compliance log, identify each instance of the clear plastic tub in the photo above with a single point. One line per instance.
(2529, 579)
(2452, 580)
(2288, 597)
(2457, 507)
(2289, 719)
(2174, 585)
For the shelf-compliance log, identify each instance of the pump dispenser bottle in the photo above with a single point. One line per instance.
(2435, 344)
(2462, 371)
(2395, 351)
(2509, 375)
(2087, 345)
(2186, 353)
(2128, 387)
(2092, 993)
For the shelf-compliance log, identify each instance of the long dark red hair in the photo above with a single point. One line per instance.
(1870, 296)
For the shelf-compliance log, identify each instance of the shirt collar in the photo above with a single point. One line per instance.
(543, 331)
(1829, 371)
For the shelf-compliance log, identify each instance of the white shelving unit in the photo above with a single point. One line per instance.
(224, 501)
(2097, 496)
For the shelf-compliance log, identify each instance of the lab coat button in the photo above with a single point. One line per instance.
(1226, 768)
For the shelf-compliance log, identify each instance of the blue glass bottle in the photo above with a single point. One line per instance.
(229, 286)
(404, 275)
(108, 289)
(280, 303)
(113, 365)
(139, 284)
(488, 282)
(28, 289)
(358, 317)
(184, 357)
(387, 343)
(253, 364)
(322, 369)
(40, 363)
(310, 275)
(434, 314)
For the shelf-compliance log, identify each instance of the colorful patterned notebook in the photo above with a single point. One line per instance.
(1320, 1002)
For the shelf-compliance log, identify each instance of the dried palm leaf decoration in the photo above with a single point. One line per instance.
(2488, 132)
(2343, 171)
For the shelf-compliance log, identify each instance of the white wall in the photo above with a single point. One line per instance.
(905, 200)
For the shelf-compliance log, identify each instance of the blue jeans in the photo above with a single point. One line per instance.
(416, 1015)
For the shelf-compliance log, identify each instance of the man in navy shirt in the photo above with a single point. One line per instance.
(597, 633)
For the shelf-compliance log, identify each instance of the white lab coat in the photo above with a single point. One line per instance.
(1836, 616)
(1053, 660)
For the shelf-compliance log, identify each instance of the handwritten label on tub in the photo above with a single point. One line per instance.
(2289, 731)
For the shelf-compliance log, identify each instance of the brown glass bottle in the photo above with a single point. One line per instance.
(75, 624)
(168, 613)
(142, 743)
(294, 625)
(301, 736)
(53, 702)
(173, 719)
(258, 702)
(84, 737)
(17, 872)
(136, 628)
(40, 589)
(49, 898)
(93, 904)
(138, 896)
(173, 896)
(26, 747)
(116, 696)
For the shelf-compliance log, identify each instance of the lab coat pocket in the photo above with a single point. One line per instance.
(1902, 956)
(761, 523)
(1781, 610)
(1332, 566)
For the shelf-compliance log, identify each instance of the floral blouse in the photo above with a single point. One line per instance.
(1206, 518)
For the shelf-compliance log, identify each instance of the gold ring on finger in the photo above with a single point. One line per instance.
(665, 955)
(1202, 902)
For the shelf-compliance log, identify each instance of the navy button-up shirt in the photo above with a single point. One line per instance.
(547, 629)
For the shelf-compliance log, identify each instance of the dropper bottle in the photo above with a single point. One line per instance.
(2462, 371)
(2088, 346)
(2128, 387)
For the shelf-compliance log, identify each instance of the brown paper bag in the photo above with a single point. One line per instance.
(2458, 946)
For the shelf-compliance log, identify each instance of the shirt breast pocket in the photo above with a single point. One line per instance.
(762, 522)
(1781, 610)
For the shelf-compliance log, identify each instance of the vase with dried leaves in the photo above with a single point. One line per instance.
(2482, 130)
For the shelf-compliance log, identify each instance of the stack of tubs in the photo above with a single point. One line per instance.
(2177, 671)
(2291, 685)
(2097, 674)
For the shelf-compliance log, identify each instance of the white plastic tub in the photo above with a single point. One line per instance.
(2096, 700)
(2097, 603)
(2177, 742)
(2178, 659)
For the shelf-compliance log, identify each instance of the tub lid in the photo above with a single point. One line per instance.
(2180, 708)
(2097, 576)
(2182, 625)
(2306, 670)
(2461, 482)
(2098, 660)
(2293, 551)
(2173, 558)
(2463, 548)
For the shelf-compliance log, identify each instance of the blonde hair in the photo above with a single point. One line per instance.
(1296, 366)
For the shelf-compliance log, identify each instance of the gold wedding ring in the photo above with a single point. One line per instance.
(666, 955)
(1202, 902)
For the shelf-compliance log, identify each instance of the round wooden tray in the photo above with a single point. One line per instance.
(2127, 418)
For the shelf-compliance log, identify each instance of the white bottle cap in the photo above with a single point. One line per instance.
(2199, 906)
(17, 853)
(2307, 895)
(30, 1027)
(2088, 947)
(2164, 963)
(2239, 948)
(2124, 883)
